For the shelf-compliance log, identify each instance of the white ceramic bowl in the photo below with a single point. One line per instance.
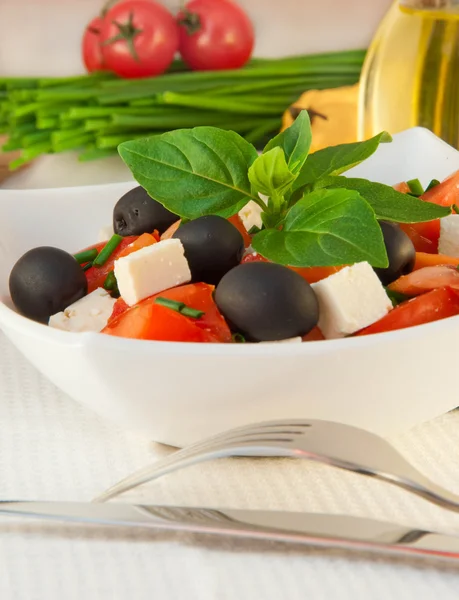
(177, 392)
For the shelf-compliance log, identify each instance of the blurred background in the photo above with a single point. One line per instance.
(408, 78)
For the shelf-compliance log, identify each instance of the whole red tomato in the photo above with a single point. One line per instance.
(139, 38)
(91, 50)
(214, 35)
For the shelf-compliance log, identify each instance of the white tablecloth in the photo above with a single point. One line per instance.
(51, 448)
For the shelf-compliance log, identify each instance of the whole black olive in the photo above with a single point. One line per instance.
(212, 245)
(45, 281)
(136, 213)
(400, 251)
(267, 302)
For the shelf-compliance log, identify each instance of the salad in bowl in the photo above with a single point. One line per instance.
(233, 286)
(220, 245)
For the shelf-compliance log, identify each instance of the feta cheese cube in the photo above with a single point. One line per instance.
(90, 313)
(251, 215)
(449, 236)
(105, 233)
(350, 300)
(151, 270)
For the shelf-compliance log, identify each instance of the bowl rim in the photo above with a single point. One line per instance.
(39, 331)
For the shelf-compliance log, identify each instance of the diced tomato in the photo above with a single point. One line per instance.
(423, 259)
(433, 306)
(402, 187)
(97, 275)
(425, 235)
(146, 239)
(119, 308)
(315, 335)
(426, 279)
(445, 193)
(237, 222)
(171, 230)
(311, 274)
(253, 257)
(150, 321)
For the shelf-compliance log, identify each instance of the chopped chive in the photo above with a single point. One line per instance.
(107, 250)
(86, 256)
(238, 338)
(432, 184)
(179, 307)
(415, 187)
(253, 230)
(187, 311)
(86, 267)
(455, 208)
(110, 282)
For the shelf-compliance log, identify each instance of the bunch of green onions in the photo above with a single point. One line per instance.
(95, 113)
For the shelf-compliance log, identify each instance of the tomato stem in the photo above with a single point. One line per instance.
(127, 32)
(191, 21)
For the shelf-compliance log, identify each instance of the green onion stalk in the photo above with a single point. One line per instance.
(93, 114)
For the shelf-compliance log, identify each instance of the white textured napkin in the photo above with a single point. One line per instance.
(51, 448)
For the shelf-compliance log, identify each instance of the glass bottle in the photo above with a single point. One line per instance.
(411, 73)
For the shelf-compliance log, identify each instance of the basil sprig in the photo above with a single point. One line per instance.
(313, 216)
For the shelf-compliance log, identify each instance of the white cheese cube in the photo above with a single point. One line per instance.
(449, 236)
(350, 300)
(105, 233)
(251, 215)
(151, 270)
(90, 313)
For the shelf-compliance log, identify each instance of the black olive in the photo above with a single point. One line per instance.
(267, 302)
(136, 213)
(212, 245)
(400, 251)
(45, 281)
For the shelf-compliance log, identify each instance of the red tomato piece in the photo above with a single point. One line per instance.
(237, 222)
(171, 230)
(97, 275)
(150, 321)
(144, 240)
(425, 235)
(254, 257)
(426, 279)
(445, 193)
(91, 48)
(433, 306)
(139, 38)
(119, 308)
(315, 335)
(214, 35)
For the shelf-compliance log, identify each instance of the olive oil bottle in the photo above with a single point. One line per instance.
(411, 72)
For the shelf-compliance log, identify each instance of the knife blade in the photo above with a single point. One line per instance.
(310, 529)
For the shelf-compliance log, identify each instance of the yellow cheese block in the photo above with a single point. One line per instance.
(333, 115)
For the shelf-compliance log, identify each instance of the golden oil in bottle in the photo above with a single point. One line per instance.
(411, 72)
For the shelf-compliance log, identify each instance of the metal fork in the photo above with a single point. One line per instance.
(334, 444)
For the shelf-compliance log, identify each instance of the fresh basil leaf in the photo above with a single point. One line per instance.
(337, 159)
(193, 172)
(269, 174)
(294, 141)
(388, 204)
(325, 228)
